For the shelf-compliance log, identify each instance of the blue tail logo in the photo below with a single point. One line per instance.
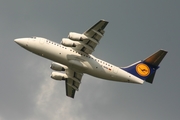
(146, 69)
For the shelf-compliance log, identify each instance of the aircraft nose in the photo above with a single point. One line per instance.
(17, 40)
(20, 41)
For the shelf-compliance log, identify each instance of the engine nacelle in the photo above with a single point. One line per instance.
(77, 36)
(57, 66)
(58, 76)
(69, 43)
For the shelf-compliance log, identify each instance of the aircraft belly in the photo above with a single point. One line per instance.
(50, 52)
(100, 73)
(123, 76)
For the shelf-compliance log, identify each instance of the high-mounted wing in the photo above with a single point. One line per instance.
(72, 82)
(90, 38)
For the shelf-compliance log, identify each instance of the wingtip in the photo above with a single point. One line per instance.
(103, 20)
(164, 50)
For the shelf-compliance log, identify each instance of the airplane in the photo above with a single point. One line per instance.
(73, 57)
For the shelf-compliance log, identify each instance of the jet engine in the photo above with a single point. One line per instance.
(57, 66)
(77, 36)
(58, 76)
(69, 43)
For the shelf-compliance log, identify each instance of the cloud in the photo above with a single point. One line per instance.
(1, 118)
(51, 103)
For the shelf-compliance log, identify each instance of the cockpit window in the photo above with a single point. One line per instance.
(34, 37)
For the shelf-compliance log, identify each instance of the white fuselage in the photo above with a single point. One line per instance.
(79, 61)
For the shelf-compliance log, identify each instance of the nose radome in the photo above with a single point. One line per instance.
(21, 41)
(17, 40)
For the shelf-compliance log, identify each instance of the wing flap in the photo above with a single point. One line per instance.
(72, 82)
(70, 91)
(93, 36)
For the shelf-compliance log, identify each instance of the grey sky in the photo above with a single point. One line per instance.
(136, 29)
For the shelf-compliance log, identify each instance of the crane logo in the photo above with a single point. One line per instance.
(142, 69)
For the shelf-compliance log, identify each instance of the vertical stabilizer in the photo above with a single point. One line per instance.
(146, 68)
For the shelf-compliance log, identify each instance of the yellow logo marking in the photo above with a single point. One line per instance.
(142, 69)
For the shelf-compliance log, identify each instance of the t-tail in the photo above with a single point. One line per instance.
(146, 69)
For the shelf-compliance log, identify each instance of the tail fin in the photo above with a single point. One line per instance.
(146, 68)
